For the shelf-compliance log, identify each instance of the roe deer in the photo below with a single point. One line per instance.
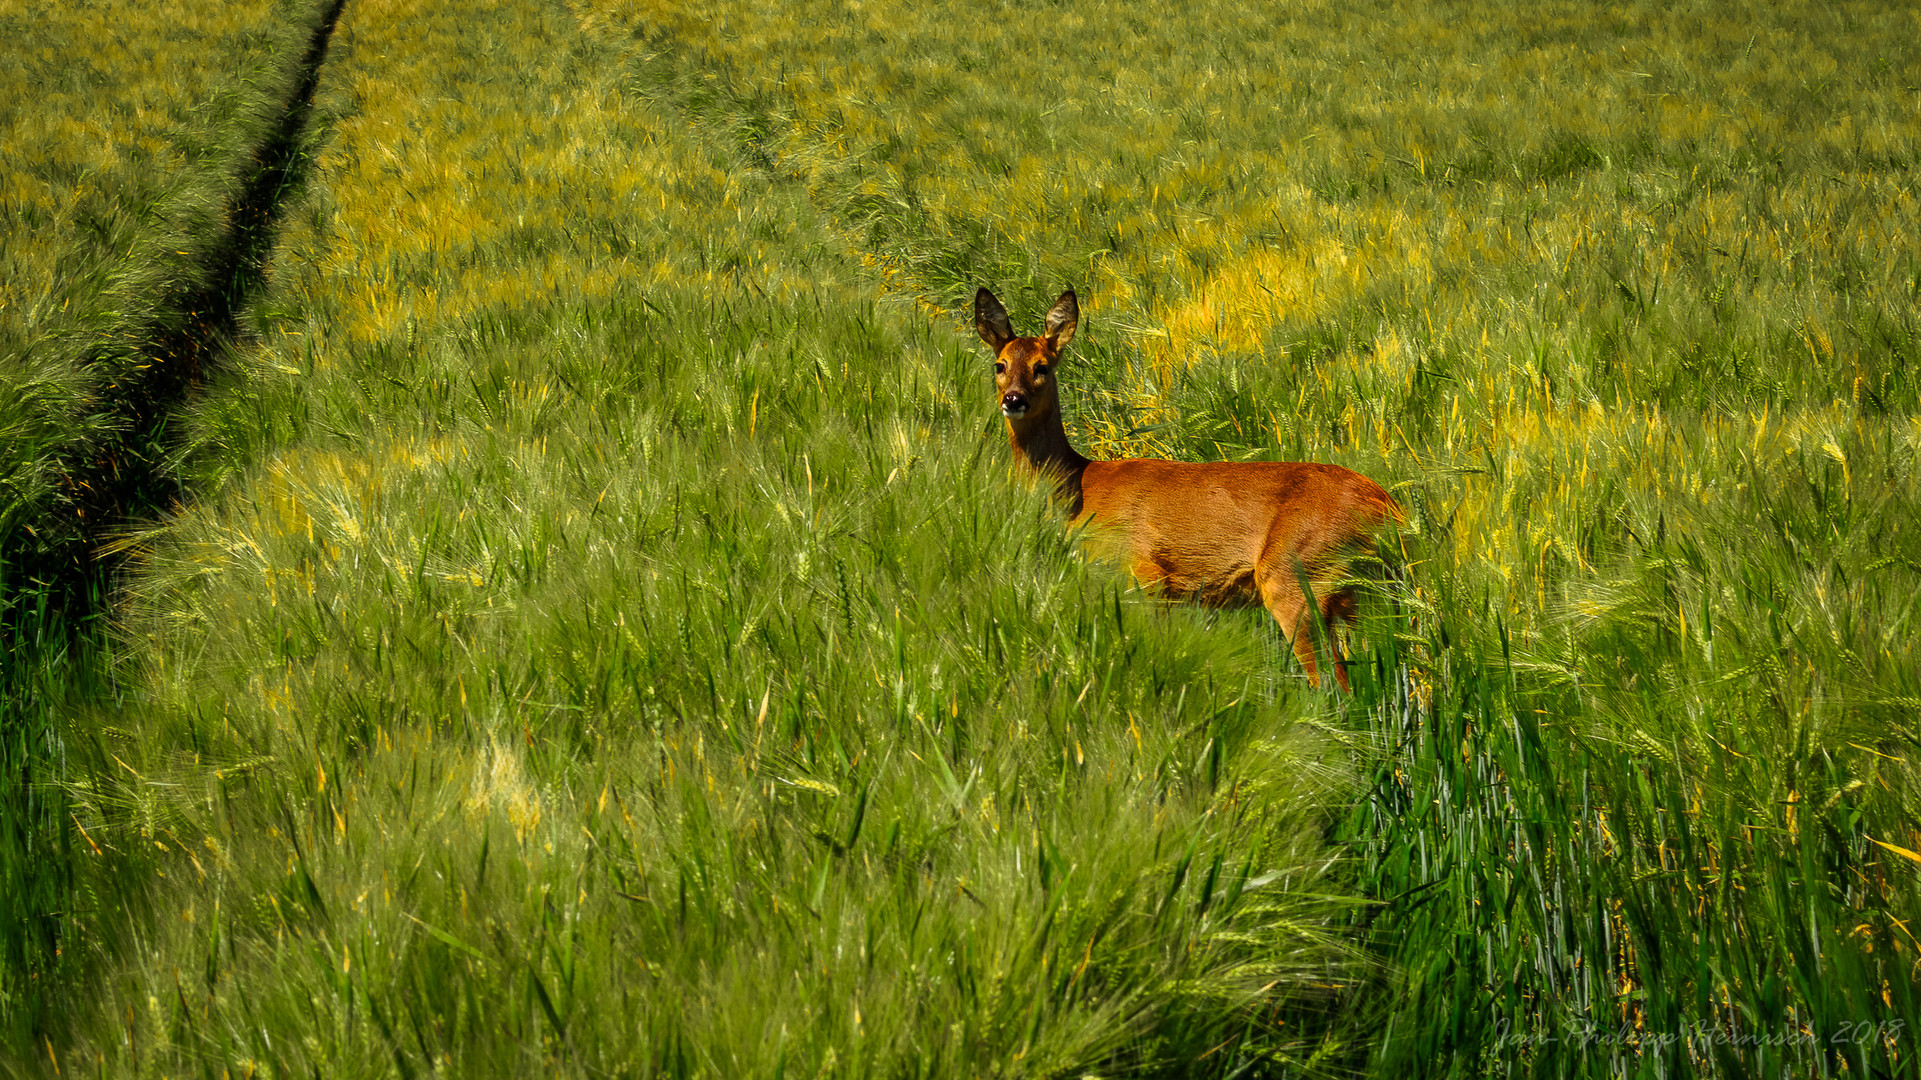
(1221, 533)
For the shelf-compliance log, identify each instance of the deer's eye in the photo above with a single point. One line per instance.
(1040, 371)
(1000, 368)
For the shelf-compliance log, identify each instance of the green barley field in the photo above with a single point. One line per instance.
(510, 565)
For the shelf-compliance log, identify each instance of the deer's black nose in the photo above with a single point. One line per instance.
(1013, 403)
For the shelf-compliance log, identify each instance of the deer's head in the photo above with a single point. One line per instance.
(1024, 366)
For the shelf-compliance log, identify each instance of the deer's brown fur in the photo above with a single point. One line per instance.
(1219, 532)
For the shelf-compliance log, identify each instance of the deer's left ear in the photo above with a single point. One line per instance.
(1061, 320)
(990, 321)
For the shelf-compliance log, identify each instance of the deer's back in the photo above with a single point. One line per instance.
(1200, 529)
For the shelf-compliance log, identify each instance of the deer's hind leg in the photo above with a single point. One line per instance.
(1298, 612)
(1338, 606)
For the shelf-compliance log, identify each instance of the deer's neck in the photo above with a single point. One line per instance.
(1041, 443)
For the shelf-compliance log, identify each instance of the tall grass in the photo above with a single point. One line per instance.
(611, 639)
(1624, 305)
(630, 675)
(597, 732)
(104, 107)
(109, 188)
(128, 287)
(138, 270)
(1668, 868)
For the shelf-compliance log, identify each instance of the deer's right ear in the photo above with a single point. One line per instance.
(990, 321)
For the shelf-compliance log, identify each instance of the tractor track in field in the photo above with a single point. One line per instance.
(58, 560)
(155, 366)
